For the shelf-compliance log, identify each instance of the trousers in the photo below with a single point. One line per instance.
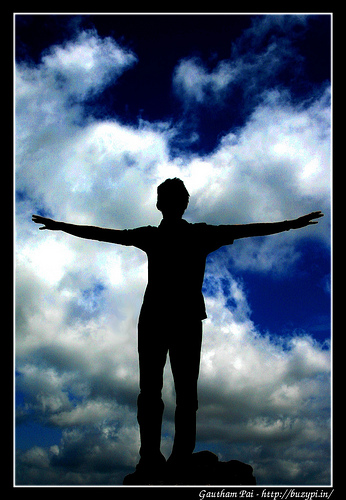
(181, 339)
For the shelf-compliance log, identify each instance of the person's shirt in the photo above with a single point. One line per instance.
(177, 255)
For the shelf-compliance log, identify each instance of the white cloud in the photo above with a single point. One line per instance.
(262, 396)
(257, 57)
(194, 83)
(92, 172)
(87, 64)
(275, 166)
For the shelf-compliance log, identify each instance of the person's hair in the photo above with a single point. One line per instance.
(172, 193)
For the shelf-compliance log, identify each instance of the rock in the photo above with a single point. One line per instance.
(204, 469)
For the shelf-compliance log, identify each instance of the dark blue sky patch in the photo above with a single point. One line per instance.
(88, 304)
(91, 296)
(295, 301)
(42, 435)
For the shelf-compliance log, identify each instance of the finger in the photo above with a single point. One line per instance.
(37, 218)
(313, 215)
(41, 228)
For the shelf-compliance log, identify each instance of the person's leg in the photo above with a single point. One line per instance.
(185, 349)
(152, 350)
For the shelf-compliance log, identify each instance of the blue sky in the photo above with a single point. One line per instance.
(107, 107)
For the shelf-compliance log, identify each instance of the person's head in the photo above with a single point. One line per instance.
(172, 198)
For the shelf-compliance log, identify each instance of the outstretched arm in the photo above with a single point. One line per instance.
(88, 232)
(263, 229)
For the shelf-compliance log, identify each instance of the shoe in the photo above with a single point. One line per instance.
(147, 473)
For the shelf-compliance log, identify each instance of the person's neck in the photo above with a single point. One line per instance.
(172, 220)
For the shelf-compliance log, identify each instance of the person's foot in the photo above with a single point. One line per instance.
(148, 472)
(177, 470)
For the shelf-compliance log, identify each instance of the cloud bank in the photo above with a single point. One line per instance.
(263, 398)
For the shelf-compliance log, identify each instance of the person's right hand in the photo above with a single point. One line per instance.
(51, 224)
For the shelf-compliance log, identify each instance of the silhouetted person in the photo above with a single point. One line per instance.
(171, 315)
